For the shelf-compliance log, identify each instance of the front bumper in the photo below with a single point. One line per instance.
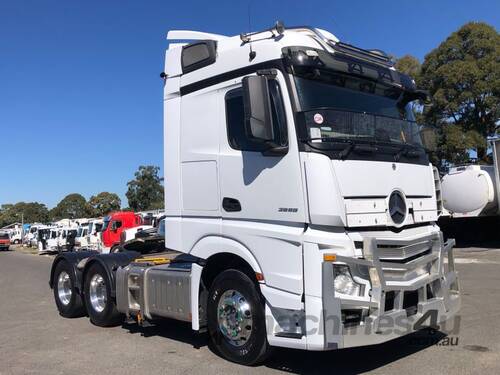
(404, 294)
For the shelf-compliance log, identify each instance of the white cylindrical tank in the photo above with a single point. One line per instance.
(470, 191)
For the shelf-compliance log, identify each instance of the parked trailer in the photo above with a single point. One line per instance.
(473, 190)
(300, 204)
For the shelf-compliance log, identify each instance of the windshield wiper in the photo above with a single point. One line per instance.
(361, 148)
(358, 146)
(408, 151)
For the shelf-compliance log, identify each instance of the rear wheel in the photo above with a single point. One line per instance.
(101, 306)
(68, 300)
(236, 319)
(115, 249)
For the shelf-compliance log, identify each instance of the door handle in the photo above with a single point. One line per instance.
(231, 204)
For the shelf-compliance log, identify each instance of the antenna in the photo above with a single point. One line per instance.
(252, 53)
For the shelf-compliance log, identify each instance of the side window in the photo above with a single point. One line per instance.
(235, 118)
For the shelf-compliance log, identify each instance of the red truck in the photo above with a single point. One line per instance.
(114, 224)
(4, 241)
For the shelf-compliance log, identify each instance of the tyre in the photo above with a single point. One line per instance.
(101, 306)
(236, 319)
(115, 249)
(68, 300)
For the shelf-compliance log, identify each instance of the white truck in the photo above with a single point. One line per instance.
(55, 239)
(300, 203)
(94, 241)
(16, 235)
(81, 240)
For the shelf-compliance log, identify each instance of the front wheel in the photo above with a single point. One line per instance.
(236, 319)
(101, 306)
(68, 300)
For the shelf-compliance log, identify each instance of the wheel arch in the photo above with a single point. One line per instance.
(218, 254)
(73, 259)
(215, 246)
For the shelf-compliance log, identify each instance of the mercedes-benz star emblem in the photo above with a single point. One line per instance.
(397, 207)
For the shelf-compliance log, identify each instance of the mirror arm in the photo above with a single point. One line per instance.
(275, 150)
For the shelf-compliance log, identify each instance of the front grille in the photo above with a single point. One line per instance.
(403, 253)
(409, 259)
(400, 260)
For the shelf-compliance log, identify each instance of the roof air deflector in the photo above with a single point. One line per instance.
(193, 35)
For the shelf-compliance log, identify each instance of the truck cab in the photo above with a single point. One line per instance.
(300, 155)
(114, 225)
(51, 241)
(94, 240)
(81, 236)
(4, 240)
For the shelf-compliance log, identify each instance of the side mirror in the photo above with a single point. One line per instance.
(257, 106)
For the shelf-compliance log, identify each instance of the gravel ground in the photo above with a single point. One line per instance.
(35, 339)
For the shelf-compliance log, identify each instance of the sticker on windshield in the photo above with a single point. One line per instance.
(315, 134)
(318, 118)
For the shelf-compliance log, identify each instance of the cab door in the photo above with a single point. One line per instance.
(262, 197)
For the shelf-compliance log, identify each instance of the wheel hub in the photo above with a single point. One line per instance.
(64, 288)
(97, 293)
(234, 316)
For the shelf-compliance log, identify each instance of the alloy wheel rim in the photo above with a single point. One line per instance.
(97, 293)
(64, 288)
(234, 316)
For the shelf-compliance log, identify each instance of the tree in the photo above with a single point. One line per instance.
(145, 191)
(30, 212)
(72, 206)
(463, 77)
(103, 203)
(408, 64)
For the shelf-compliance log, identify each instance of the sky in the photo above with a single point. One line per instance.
(80, 93)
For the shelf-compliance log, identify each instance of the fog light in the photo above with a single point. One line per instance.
(343, 281)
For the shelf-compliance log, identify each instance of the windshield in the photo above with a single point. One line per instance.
(338, 106)
(161, 228)
(106, 222)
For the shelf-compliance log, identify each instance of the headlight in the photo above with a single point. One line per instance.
(343, 281)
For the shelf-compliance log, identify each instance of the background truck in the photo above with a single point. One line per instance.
(16, 235)
(300, 203)
(94, 240)
(4, 241)
(114, 224)
(81, 240)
